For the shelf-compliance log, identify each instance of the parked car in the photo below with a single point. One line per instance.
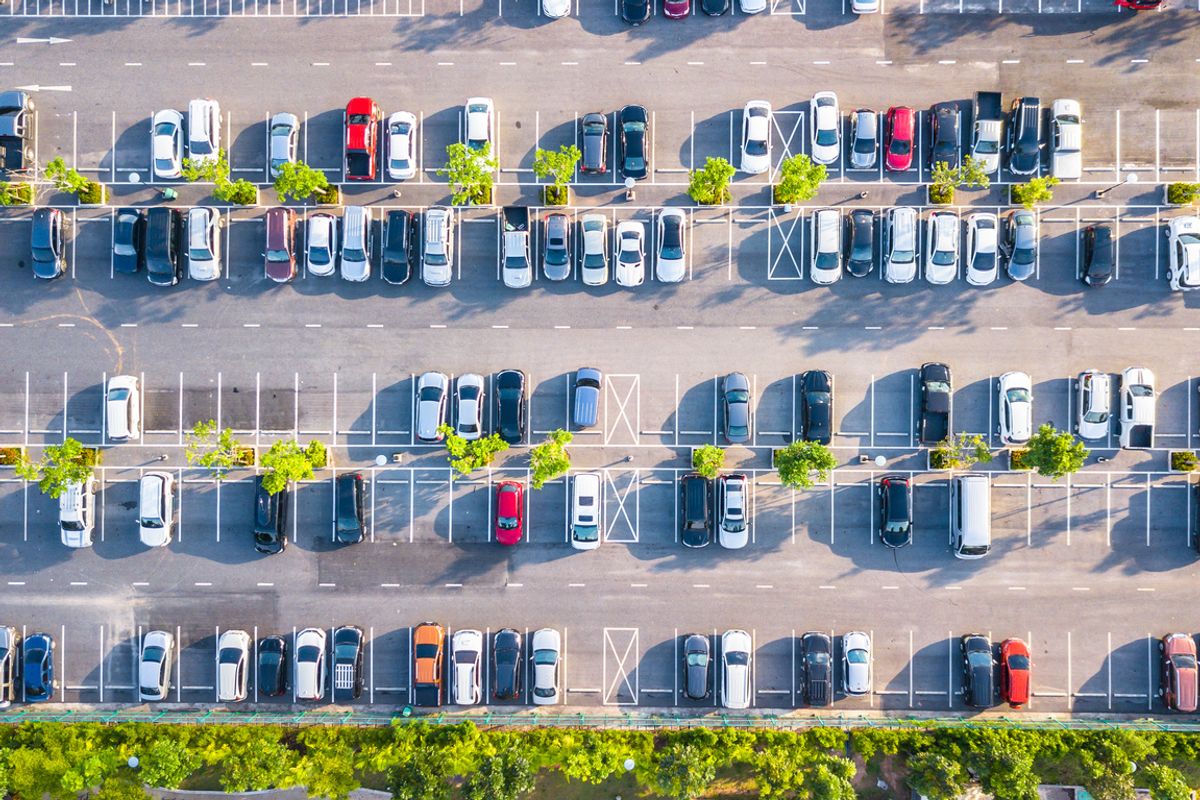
(506, 664)
(736, 691)
(164, 262)
(1183, 248)
(756, 137)
(898, 146)
(402, 145)
(1015, 678)
(437, 249)
(826, 255)
(635, 132)
(469, 402)
(941, 247)
(696, 666)
(670, 263)
(48, 243)
(900, 245)
(1020, 244)
(935, 383)
(466, 658)
(320, 244)
(233, 666)
(270, 518)
(555, 9)
(587, 511)
(1025, 136)
(945, 133)
(546, 645)
(593, 267)
(510, 512)
(272, 678)
(732, 511)
(347, 663)
(310, 664)
(432, 389)
(593, 137)
(350, 509)
(128, 240)
(166, 144)
(204, 131)
(825, 128)
(981, 248)
(585, 408)
(428, 644)
(856, 663)
(695, 510)
(203, 244)
(1066, 140)
(816, 659)
(398, 227)
(123, 408)
(816, 406)
(360, 161)
(714, 8)
(156, 508)
(864, 139)
(509, 385)
(860, 242)
(357, 243)
(630, 257)
(37, 668)
(1016, 407)
(280, 256)
(635, 12)
(977, 666)
(10, 663)
(1093, 404)
(677, 9)
(556, 250)
(77, 513)
(736, 404)
(154, 665)
(283, 135)
(752, 6)
(1097, 252)
(895, 511)
(1178, 669)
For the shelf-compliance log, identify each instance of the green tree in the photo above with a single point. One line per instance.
(468, 455)
(256, 765)
(560, 166)
(936, 776)
(1165, 783)
(285, 462)
(779, 765)
(299, 180)
(799, 179)
(422, 776)
(122, 787)
(241, 192)
(709, 185)
(830, 778)
(683, 771)
(1183, 194)
(1054, 453)
(550, 459)
(592, 756)
(1003, 759)
(470, 173)
(215, 170)
(64, 178)
(961, 452)
(942, 183)
(60, 466)
(972, 174)
(326, 767)
(505, 776)
(803, 464)
(15, 194)
(207, 447)
(1036, 190)
(167, 763)
(708, 460)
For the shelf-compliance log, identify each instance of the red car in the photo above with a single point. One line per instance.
(901, 127)
(1178, 685)
(1014, 672)
(677, 9)
(362, 119)
(510, 512)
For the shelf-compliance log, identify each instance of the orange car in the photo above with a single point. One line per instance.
(428, 641)
(1014, 672)
(1178, 686)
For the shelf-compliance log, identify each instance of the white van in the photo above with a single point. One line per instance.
(76, 513)
(437, 247)
(970, 516)
(356, 244)
(156, 508)
(587, 517)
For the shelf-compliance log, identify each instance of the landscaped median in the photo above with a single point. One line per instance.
(416, 759)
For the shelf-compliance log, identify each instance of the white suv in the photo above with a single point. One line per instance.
(1094, 404)
(154, 666)
(437, 252)
(735, 669)
(203, 244)
(900, 256)
(1016, 407)
(233, 670)
(204, 131)
(826, 246)
(466, 655)
(1183, 244)
(310, 664)
(76, 513)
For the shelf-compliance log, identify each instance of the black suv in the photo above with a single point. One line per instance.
(695, 510)
(635, 130)
(164, 264)
(977, 670)
(817, 663)
(347, 663)
(1097, 254)
(1025, 136)
(350, 527)
(398, 245)
(816, 406)
(945, 122)
(48, 243)
(860, 242)
(510, 405)
(270, 518)
(895, 511)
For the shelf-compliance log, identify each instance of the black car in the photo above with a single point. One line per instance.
(351, 526)
(164, 262)
(635, 131)
(945, 131)
(1097, 254)
(714, 8)
(272, 666)
(817, 663)
(1025, 136)
(270, 518)
(895, 510)
(695, 510)
(510, 405)
(816, 406)
(860, 242)
(593, 132)
(506, 664)
(129, 229)
(933, 424)
(347, 663)
(635, 12)
(697, 666)
(978, 667)
(48, 243)
(398, 240)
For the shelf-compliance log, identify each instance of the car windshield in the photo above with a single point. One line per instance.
(943, 258)
(1189, 238)
(827, 137)
(630, 256)
(166, 129)
(231, 655)
(353, 254)
(987, 148)
(973, 550)
(1096, 416)
(827, 260)
(1184, 661)
(118, 395)
(123, 240)
(902, 256)
(1018, 662)
(983, 262)
(72, 525)
(308, 653)
(543, 692)
(586, 533)
(150, 522)
(937, 386)
(979, 658)
(697, 659)
(593, 260)
(864, 145)
(345, 652)
(319, 256)
(427, 651)
(545, 657)
(199, 147)
(164, 164)
(358, 119)
(737, 396)
(1140, 390)
(281, 129)
(671, 252)
(556, 256)
(857, 656)
(400, 128)
(900, 147)
(737, 659)
(152, 653)
(506, 523)
(435, 259)
(200, 254)
(399, 163)
(1023, 255)
(756, 147)
(817, 658)
(430, 394)
(1018, 395)
(277, 255)
(1068, 119)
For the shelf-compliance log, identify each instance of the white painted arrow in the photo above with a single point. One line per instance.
(51, 40)
(33, 87)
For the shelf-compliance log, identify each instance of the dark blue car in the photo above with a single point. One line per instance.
(39, 667)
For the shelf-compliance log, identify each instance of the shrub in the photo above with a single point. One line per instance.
(316, 454)
(709, 185)
(240, 192)
(560, 166)
(213, 449)
(286, 461)
(1054, 453)
(16, 194)
(64, 178)
(59, 466)
(941, 195)
(470, 173)
(1037, 190)
(708, 460)
(1183, 194)
(962, 452)
(11, 456)
(330, 196)
(93, 194)
(1183, 460)
(800, 462)
(550, 459)
(799, 179)
(468, 455)
(301, 181)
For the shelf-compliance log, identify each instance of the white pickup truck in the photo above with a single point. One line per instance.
(1137, 408)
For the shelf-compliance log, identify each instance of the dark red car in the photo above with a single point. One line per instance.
(510, 512)
(280, 254)
(1014, 672)
(362, 118)
(1178, 687)
(677, 9)
(901, 128)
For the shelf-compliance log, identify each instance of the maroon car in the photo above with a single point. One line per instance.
(677, 9)
(280, 255)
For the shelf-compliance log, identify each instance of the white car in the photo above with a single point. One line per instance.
(1183, 244)
(825, 128)
(735, 669)
(123, 408)
(466, 658)
(203, 244)
(856, 663)
(76, 513)
(756, 137)
(310, 664)
(1093, 403)
(546, 647)
(752, 6)
(732, 531)
(480, 113)
(437, 252)
(320, 244)
(402, 145)
(556, 9)
(982, 267)
(630, 258)
(900, 253)
(670, 263)
(1066, 140)
(154, 665)
(233, 666)
(593, 265)
(1016, 407)
(941, 247)
(826, 255)
(284, 132)
(468, 403)
(156, 508)
(864, 6)
(166, 143)
(204, 131)
(432, 388)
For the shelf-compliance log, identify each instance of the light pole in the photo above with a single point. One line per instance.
(1130, 178)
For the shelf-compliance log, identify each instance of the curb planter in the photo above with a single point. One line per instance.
(1183, 461)
(551, 200)
(946, 195)
(10, 456)
(1015, 462)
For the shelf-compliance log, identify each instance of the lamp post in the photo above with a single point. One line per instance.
(629, 184)
(1130, 178)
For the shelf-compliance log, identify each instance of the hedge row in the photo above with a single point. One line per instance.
(423, 762)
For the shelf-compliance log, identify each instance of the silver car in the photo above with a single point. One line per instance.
(166, 143)
(556, 253)
(1020, 244)
(203, 244)
(941, 247)
(432, 388)
(284, 132)
(864, 139)
(468, 403)
(856, 663)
